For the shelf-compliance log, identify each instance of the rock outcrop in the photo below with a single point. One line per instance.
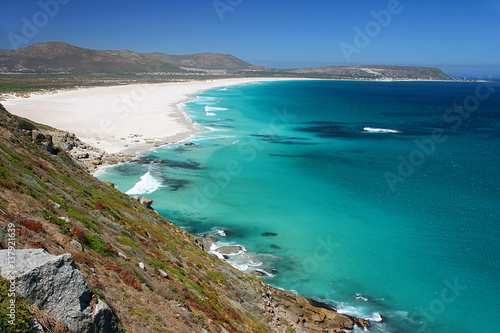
(55, 285)
(230, 249)
(88, 156)
(301, 313)
(205, 243)
(146, 202)
(44, 139)
(307, 314)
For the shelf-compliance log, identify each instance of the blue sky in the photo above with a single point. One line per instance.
(460, 36)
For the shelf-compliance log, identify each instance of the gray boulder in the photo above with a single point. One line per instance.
(66, 146)
(57, 287)
(37, 135)
(77, 245)
(205, 242)
(49, 146)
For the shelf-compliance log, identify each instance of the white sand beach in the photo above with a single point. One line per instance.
(120, 119)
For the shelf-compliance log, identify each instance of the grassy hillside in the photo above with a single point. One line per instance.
(56, 205)
(154, 275)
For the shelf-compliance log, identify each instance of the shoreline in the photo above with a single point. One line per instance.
(115, 124)
(122, 120)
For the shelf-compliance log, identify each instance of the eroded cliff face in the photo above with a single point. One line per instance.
(153, 275)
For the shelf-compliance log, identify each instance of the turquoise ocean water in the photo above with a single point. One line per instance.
(377, 197)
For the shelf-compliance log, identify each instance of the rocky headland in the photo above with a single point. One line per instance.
(91, 158)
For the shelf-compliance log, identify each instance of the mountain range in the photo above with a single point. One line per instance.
(59, 57)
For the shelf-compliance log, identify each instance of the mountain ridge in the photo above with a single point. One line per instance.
(61, 57)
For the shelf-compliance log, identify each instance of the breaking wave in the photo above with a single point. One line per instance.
(147, 184)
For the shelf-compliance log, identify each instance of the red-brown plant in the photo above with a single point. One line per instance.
(41, 165)
(78, 233)
(125, 275)
(232, 313)
(30, 224)
(100, 205)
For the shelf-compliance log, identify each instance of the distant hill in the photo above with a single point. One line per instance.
(376, 72)
(63, 57)
(57, 57)
(202, 60)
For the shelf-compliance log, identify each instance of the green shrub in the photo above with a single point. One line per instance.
(98, 245)
(4, 174)
(92, 225)
(127, 241)
(65, 230)
(96, 292)
(26, 125)
(23, 315)
(53, 219)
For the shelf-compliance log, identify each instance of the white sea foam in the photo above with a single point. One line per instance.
(216, 245)
(375, 317)
(380, 130)
(100, 171)
(211, 137)
(181, 106)
(205, 100)
(219, 232)
(247, 263)
(214, 129)
(210, 114)
(361, 297)
(212, 249)
(147, 184)
(242, 260)
(214, 108)
(360, 311)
